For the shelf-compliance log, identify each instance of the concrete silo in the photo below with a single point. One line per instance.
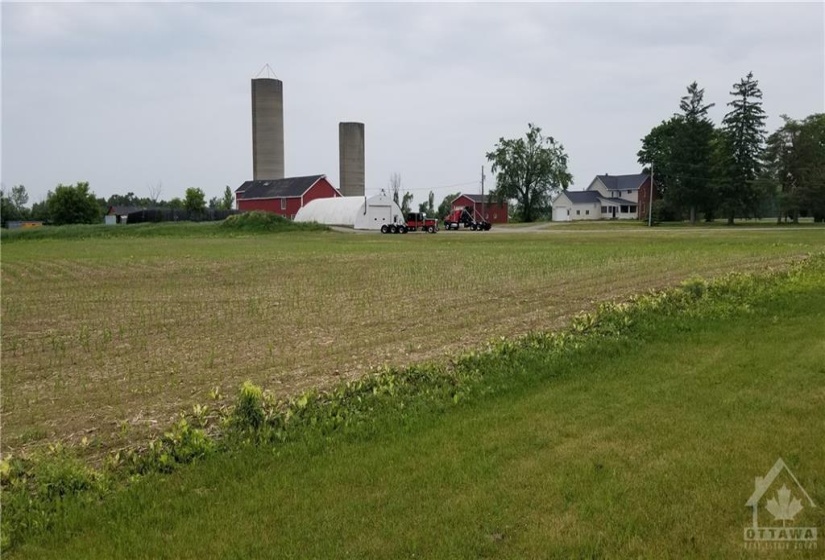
(267, 128)
(351, 158)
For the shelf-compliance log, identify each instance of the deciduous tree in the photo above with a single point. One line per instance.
(406, 203)
(529, 169)
(795, 162)
(228, 199)
(73, 205)
(195, 200)
(429, 206)
(13, 205)
(446, 205)
(395, 188)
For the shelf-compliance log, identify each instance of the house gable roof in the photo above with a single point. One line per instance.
(583, 197)
(594, 197)
(124, 210)
(623, 182)
(289, 187)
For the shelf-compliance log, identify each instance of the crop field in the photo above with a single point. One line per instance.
(104, 340)
(635, 433)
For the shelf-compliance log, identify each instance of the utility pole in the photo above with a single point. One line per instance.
(482, 194)
(650, 202)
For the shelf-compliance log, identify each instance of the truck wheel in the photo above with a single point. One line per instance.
(393, 229)
(431, 229)
(473, 227)
(402, 229)
(385, 229)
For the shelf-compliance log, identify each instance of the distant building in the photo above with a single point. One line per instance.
(284, 197)
(613, 197)
(120, 214)
(358, 212)
(23, 224)
(490, 209)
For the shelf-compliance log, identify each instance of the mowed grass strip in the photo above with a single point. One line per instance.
(643, 448)
(109, 339)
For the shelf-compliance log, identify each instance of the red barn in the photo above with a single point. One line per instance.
(283, 196)
(493, 211)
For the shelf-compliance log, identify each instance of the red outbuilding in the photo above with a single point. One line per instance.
(491, 210)
(283, 196)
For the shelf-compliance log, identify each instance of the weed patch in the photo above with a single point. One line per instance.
(264, 222)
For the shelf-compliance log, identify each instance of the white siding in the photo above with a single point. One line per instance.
(358, 212)
(597, 185)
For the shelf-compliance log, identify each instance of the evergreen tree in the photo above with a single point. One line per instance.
(693, 153)
(739, 156)
(680, 151)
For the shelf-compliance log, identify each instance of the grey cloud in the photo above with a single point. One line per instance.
(127, 96)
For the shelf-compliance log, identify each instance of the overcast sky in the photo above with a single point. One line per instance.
(127, 96)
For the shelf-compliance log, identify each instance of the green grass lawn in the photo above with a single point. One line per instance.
(642, 447)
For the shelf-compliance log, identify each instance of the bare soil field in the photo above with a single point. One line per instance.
(105, 341)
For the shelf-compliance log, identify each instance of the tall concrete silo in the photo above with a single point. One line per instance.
(351, 158)
(267, 128)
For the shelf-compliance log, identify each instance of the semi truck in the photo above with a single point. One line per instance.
(415, 221)
(467, 217)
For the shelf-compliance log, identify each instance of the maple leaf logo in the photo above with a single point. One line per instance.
(784, 507)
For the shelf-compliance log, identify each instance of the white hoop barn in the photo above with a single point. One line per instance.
(358, 212)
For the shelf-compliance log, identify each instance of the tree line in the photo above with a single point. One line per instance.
(77, 204)
(735, 170)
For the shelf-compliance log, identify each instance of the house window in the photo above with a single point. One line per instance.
(628, 192)
(578, 212)
(624, 209)
(568, 211)
(604, 209)
(283, 204)
(632, 209)
(587, 212)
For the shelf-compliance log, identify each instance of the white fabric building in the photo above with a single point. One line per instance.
(358, 212)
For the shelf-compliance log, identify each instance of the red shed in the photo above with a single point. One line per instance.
(283, 196)
(491, 210)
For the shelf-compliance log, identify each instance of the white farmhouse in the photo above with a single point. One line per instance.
(622, 197)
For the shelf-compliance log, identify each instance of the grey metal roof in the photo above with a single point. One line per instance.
(583, 197)
(289, 187)
(623, 182)
(124, 210)
(593, 197)
(618, 201)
